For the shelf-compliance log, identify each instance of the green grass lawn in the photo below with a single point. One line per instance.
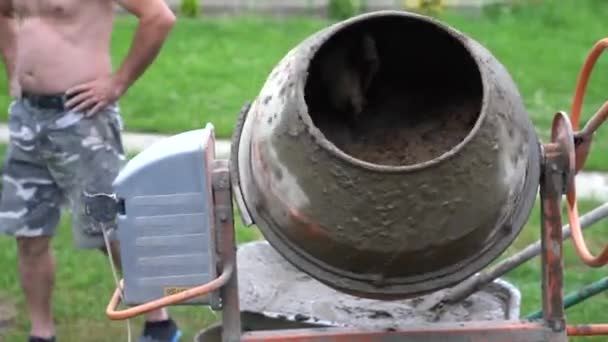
(210, 67)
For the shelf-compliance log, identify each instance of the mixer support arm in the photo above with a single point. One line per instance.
(465, 289)
(557, 173)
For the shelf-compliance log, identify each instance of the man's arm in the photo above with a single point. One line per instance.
(8, 43)
(155, 22)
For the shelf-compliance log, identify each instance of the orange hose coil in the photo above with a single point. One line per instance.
(590, 128)
(214, 285)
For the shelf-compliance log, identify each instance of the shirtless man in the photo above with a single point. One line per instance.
(65, 130)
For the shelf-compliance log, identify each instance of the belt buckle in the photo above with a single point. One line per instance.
(53, 101)
(62, 101)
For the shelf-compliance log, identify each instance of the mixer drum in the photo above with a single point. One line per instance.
(431, 182)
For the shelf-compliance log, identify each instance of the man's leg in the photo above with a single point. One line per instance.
(37, 276)
(29, 211)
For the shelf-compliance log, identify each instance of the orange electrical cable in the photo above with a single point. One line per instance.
(586, 134)
(214, 285)
(587, 330)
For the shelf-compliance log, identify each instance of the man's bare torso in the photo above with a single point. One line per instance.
(62, 43)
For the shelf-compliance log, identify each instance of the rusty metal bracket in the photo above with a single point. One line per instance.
(224, 223)
(558, 173)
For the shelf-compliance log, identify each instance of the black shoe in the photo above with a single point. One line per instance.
(163, 331)
(40, 339)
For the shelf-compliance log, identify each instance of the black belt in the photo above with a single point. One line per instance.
(50, 101)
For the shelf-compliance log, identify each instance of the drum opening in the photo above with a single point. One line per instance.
(394, 91)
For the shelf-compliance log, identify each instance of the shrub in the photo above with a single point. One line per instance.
(427, 7)
(341, 9)
(431, 7)
(190, 8)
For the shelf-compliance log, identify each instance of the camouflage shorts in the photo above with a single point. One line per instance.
(55, 156)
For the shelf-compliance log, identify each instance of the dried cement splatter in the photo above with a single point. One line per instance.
(268, 283)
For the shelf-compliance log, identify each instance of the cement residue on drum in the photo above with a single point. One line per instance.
(399, 127)
(268, 283)
(391, 100)
(389, 135)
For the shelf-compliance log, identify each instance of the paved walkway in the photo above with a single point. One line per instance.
(135, 142)
(319, 6)
(589, 184)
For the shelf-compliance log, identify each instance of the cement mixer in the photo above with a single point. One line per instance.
(387, 161)
(433, 183)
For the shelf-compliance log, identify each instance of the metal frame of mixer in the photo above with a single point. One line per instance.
(558, 172)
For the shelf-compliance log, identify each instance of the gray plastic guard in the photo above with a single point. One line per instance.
(166, 234)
